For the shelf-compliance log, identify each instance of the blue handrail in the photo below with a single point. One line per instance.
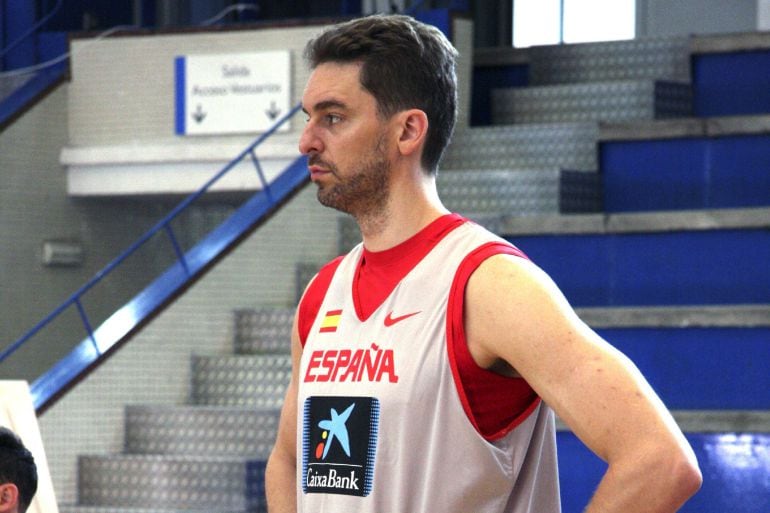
(187, 263)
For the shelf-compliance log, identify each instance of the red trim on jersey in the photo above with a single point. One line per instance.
(313, 298)
(494, 404)
(379, 272)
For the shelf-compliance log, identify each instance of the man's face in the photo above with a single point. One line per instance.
(345, 141)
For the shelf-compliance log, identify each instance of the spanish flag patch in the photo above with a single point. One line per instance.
(330, 321)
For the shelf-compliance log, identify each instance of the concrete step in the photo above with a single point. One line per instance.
(698, 316)
(535, 146)
(173, 482)
(601, 101)
(200, 430)
(257, 381)
(637, 59)
(522, 192)
(76, 508)
(263, 329)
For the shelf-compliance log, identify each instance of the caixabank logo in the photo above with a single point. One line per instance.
(339, 444)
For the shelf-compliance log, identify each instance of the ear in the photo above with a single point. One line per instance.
(413, 130)
(9, 497)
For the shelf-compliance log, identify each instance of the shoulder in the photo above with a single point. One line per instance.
(509, 303)
(507, 275)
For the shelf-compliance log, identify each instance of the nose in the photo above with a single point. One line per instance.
(309, 141)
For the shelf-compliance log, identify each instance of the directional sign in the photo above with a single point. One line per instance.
(231, 93)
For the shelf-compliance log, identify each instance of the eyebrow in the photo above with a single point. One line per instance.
(326, 105)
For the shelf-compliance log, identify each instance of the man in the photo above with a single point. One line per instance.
(18, 474)
(428, 360)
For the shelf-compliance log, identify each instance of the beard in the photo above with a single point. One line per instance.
(363, 193)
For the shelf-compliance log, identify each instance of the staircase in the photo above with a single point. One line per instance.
(654, 223)
(207, 456)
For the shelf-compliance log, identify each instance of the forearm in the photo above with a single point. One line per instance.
(281, 484)
(652, 483)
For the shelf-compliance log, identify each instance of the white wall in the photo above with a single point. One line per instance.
(686, 17)
(763, 14)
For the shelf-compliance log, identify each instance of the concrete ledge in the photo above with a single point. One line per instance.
(176, 168)
(699, 44)
(688, 220)
(500, 56)
(738, 125)
(714, 219)
(647, 130)
(728, 421)
(686, 127)
(722, 316)
(725, 43)
(715, 421)
(189, 149)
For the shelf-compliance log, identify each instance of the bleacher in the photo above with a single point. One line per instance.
(654, 222)
(637, 174)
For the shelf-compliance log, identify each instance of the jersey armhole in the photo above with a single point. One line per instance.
(311, 301)
(509, 400)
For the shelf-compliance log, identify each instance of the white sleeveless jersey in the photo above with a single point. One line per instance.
(381, 427)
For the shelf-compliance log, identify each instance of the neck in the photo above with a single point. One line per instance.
(411, 206)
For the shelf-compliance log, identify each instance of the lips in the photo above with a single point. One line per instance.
(317, 167)
(317, 172)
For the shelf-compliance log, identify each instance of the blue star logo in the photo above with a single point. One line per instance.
(336, 428)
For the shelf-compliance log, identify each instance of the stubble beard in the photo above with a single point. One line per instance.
(363, 194)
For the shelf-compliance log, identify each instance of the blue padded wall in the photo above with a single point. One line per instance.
(736, 466)
(694, 173)
(666, 268)
(728, 84)
(701, 368)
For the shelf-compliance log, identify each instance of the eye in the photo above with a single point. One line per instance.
(332, 119)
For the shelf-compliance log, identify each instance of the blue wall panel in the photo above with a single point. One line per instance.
(726, 84)
(699, 368)
(486, 78)
(676, 268)
(736, 472)
(676, 174)
(739, 171)
(653, 175)
(16, 49)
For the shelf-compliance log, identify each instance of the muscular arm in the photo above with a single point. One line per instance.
(515, 313)
(280, 475)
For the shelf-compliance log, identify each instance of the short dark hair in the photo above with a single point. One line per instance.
(17, 466)
(405, 64)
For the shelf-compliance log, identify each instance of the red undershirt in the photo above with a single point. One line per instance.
(495, 404)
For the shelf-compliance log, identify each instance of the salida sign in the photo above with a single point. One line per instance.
(231, 93)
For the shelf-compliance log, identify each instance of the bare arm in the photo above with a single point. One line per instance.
(280, 475)
(515, 313)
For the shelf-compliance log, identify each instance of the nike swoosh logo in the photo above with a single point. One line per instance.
(390, 320)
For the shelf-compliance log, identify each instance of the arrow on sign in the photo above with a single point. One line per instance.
(273, 112)
(198, 115)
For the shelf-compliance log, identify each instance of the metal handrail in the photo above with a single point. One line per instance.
(165, 225)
